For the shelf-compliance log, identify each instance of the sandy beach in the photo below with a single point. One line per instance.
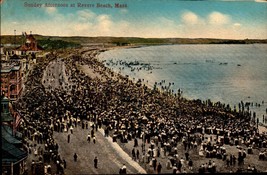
(68, 82)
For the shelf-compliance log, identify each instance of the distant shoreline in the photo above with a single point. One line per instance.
(151, 45)
(128, 41)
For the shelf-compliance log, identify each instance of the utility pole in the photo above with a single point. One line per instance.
(15, 37)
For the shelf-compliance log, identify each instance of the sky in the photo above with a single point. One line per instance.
(226, 19)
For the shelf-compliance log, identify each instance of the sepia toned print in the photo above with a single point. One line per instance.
(133, 87)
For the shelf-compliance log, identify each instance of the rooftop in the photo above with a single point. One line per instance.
(10, 153)
(7, 135)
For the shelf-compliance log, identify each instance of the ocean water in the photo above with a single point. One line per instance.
(226, 73)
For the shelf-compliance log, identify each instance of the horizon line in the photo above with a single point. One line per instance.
(132, 37)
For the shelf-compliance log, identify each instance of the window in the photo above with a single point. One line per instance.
(4, 107)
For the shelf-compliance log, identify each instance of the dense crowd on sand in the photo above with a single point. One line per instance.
(157, 121)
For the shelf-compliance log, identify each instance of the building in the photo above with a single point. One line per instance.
(29, 46)
(4, 56)
(16, 63)
(13, 156)
(27, 53)
(28, 49)
(10, 118)
(11, 80)
(13, 159)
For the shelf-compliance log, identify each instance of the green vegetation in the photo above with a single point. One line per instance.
(54, 42)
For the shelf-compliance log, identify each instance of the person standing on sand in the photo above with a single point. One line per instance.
(95, 162)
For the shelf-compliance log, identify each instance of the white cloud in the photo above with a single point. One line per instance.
(260, 0)
(123, 11)
(217, 18)
(85, 14)
(237, 24)
(104, 24)
(50, 10)
(190, 18)
(81, 27)
(88, 23)
(103, 17)
(214, 25)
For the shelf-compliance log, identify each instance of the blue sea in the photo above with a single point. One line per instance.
(226, 73)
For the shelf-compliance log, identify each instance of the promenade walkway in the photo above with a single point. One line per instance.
(110, 156)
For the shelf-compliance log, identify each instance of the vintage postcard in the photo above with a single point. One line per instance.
(133, 86)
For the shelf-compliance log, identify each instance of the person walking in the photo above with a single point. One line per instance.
(137, 154)
(123, 169)
(64, 163)
(159, 167)
(190, 164)
(135, 142)
(75, 157)
(95, 162)
(71, 129)
(68, 138)
(94, 139)
(154, 163)
(88, 138)
(133, 154)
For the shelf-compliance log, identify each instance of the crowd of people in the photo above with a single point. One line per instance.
(35, 126)
(131, 111)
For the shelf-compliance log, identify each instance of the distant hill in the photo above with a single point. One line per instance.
(79, 40)
(49, 44)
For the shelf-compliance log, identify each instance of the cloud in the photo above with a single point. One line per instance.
(217, 18)
(103, 17)
(87, 23)
(85, 14)
(81, 27)
(213, 25)
(237, 24)
(104, 24)
(123, 11)
(190, 18)
(50, 10)
(214, 18)
(260, 0)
